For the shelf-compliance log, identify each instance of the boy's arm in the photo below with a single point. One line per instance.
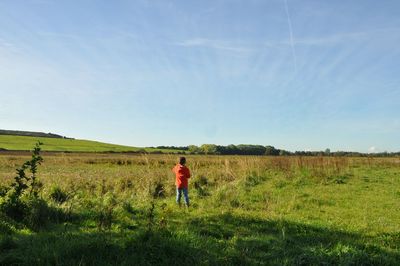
(188, 173)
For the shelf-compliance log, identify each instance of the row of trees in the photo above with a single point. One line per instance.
(247, 149)
(242, 149)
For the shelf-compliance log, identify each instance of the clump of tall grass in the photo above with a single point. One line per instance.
(104, 211)
(200, 185)
(58, 195)
(3, 190)
(158, 190)
(38, 213)
(319, 168)
(125, 184)
(7, 225)
(253, 180)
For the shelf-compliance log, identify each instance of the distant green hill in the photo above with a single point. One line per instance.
(25, 143)
(30, 134)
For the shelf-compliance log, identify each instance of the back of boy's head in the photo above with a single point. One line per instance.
(182, 160)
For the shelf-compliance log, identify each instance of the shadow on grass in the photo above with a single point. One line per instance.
(157, 248)
(257, 241)
(216, 240)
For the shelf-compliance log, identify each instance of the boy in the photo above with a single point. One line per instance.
(182, 174)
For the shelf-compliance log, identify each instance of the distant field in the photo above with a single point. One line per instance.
(23, 143)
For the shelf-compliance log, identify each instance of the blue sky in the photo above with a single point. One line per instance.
(295, 74)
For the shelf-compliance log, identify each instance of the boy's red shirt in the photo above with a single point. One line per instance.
(182, 174)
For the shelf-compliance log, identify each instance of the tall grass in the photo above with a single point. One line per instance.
(119, 209)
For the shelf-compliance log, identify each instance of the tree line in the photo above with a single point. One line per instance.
(249, 149)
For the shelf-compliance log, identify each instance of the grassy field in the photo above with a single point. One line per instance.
(119, 210)
(25, 143)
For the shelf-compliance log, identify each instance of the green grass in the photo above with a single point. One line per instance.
(24, 143)
(245, 211)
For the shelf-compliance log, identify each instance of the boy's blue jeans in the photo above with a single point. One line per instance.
(179, 195)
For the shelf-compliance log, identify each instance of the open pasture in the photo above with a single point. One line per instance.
(119, 209)
(25, 143)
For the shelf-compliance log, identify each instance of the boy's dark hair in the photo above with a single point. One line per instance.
(182, 160)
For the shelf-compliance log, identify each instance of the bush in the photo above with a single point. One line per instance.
(24, 185)
(21, 202)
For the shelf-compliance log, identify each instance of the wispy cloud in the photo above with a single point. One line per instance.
(291, 35)
(50, 34)
(213, 44)
(252, 46)
(333, 39)
(343, 37)
(4, 43)
(7, 48)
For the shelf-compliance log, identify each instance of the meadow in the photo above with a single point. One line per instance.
(25, 143)
(119, 209)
